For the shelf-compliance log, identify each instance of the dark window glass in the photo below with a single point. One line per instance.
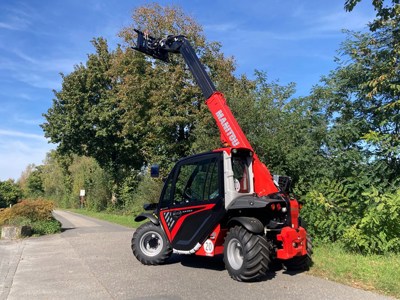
(197, 181)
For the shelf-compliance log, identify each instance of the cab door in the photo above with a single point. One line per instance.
(191, 204)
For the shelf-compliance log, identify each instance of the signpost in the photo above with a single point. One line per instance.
(82, 194)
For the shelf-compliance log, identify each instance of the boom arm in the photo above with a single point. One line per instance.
(231, 133)
(159, 49)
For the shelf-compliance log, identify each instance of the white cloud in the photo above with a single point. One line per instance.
(14, 133)
(17, 18)
(36, 72)
(7, 26)
(18, 150)
(221, 27)
(15, 159)
(336, 21)
(26, 120)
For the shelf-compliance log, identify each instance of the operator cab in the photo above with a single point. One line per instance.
(198, 191)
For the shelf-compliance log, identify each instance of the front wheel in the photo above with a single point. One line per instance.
(150, 245)
(246, 255)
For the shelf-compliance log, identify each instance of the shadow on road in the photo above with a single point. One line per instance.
(63, 229)
(215, 263)
(201, 262)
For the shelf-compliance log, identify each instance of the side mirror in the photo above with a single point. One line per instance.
(154, 171)
(149, 206)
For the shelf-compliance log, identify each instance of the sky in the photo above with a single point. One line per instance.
(293, 41)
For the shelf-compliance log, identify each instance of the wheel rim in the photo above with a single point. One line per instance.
(151, 243)
(235, 254)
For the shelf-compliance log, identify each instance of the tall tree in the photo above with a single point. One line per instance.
(85, 116)
(171, 104)
(125, 109)
(368, 79)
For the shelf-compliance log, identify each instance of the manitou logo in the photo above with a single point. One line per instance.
(227, 128)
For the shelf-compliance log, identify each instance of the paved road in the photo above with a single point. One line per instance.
(92, 259)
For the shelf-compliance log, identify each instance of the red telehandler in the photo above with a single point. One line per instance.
(224, 201)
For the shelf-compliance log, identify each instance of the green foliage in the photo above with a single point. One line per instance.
(19, 221)
(46, 227)
(87, 175)
(85, 116)
(56, 180)
(127, 190)
(34, 184)
(328, 210)
(64, 176)
(10, 193)
(148, 191)
(365, 88)
(360, 216)
(357, 201)
(378, 230)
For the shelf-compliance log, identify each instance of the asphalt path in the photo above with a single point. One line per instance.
(92, 259)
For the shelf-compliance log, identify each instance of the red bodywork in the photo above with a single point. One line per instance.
(293, 238)
(216, 238)
(294, 243)
(233, 136)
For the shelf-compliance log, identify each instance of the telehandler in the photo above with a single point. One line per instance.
(224, 201)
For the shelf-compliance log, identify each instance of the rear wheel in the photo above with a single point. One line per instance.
(300, 263)
(246, 255)
(150, 245)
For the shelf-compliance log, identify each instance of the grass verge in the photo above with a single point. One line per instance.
(121, 219)
(379, 273)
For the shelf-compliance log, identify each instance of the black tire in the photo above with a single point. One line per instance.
(300, 263)
(150, 245)
(246, 255)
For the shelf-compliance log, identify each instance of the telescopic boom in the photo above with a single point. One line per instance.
(232, 135)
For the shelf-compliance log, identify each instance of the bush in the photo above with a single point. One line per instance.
(88, 175)
(365, 220)
(34, 213)
(147, 191)
(34, 210)
(46, 227)
(328, 210)
(378, 230)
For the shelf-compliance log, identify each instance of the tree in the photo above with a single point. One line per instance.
(10, 193)
(370, 74)
(287, 133)
(34, 184)
(86, 174)
(56, 179)
(172, 104)
(125, 109)
(22, 180)
(85, 116)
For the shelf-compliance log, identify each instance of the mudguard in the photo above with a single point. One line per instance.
(151, 217)
(251, 224)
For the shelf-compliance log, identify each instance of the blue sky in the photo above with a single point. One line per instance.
(293, 41)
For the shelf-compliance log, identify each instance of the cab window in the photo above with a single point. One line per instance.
(197, 181)
(241, 174)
